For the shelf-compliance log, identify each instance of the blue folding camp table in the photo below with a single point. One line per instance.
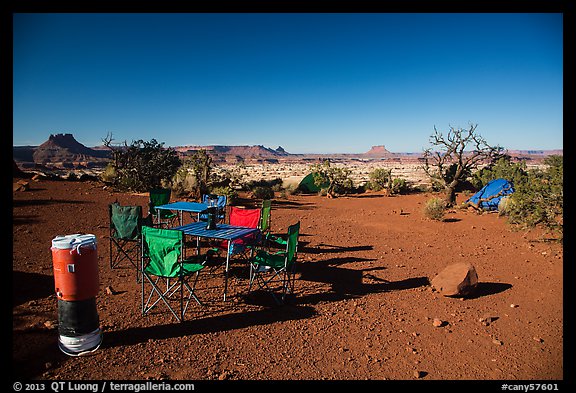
(182, 206)
(223, 232)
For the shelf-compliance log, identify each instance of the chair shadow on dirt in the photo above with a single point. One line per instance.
(323, 248)
(370, 196)
(42, 202)
(33, 219)
(348, 283)
(30, 286)
(210, 324)
(281, 204)
(25, 219)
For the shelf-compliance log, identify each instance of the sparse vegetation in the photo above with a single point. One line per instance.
(263, 192)
(184, 181)
(505, 206)
(503, 168)
(435, 209)
(380, 178)
(272, 184)
(290, 189)
(538, 196)
(399, 186)
(201, 166)
(142, 165)
(338, 179)
(540, 199)
(461, 151)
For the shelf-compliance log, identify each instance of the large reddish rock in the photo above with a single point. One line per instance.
(64, 150)
(459, 280)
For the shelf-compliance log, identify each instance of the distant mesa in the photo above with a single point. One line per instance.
(378, 151)
(223, 153)
(64, 150)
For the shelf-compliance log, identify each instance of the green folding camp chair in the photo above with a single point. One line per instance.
(167, 272)
(161, 196)
(274, 271)
(124, 236)
(265, 226)
(265, 217)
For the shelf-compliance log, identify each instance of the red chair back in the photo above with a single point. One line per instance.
(244, 217)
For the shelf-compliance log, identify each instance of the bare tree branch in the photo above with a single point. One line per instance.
(453, 159)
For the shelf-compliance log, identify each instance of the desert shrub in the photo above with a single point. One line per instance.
(399, 186)
(435, 185)
(435, 208)
(143, 165)
(263, 192)
(109, 174)
(503, 168)
(539, 199)
(538, 196)
(421, 188)
(290, 189)
(379, 179)
(184, 181)
(505, 206)
(277, 187)
(200, 165)
(337, 178)
(274, 183)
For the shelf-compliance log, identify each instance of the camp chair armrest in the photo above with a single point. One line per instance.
(275, 239)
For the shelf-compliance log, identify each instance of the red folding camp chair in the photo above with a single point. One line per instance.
(249, 218)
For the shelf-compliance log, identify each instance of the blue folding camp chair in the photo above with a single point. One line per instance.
(222, 201)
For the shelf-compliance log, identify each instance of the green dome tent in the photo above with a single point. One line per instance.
(307, 184)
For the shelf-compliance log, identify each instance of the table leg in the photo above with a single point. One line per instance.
(226, 273)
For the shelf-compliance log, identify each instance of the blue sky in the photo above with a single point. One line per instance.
(309, 82)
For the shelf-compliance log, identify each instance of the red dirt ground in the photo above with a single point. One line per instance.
(364, 308)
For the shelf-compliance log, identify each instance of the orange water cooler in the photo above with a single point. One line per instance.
(76, 283)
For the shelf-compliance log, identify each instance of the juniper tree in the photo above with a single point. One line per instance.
(452, 158)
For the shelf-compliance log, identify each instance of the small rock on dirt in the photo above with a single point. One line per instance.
(110, 291)
(486, 320)
(50, 325)
(438, 322)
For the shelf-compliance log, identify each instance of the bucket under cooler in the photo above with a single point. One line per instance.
(76, 282)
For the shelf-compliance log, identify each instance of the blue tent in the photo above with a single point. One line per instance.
(490, 195)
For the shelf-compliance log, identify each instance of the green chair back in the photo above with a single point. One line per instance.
(160, 196)
(292, 246)
(125, 221)
(164, 249)
(265, 215)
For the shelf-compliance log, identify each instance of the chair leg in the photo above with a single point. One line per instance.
(175, 288)
(193, 289)
(161, 296)
(266, 283)
(252, 276)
